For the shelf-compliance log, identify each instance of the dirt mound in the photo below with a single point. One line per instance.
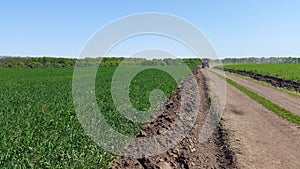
(189, 153)
(275, 81)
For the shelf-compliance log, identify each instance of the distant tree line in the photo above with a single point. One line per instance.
(37, 62)
(113, 61)
(263, 60)
(34, 62)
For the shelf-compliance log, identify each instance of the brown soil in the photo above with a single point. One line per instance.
(258, 137)
(189, 153)
(275, 81)
(289, 102)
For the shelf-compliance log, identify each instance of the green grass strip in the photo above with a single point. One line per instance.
(280, 111)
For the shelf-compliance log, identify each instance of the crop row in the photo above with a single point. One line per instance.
(39, 126)
(284, 71)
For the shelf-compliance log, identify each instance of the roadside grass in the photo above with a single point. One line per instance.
(280, 111)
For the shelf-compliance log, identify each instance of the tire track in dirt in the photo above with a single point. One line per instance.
(189, 153)
(258, 137)
(289, 102)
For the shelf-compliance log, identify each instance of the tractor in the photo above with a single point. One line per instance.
(205, 63)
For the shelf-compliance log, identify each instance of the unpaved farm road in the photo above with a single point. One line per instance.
(289, 102)
(258, 137)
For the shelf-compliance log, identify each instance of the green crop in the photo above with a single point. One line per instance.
(38, 123)
(285, 71)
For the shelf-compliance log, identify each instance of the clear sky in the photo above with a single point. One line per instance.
(235, 27)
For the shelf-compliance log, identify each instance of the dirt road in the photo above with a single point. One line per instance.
(257, 136)
(283, 99)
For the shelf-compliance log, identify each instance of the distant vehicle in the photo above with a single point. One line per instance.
(205, 63)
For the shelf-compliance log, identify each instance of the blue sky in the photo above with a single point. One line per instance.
(235, 28)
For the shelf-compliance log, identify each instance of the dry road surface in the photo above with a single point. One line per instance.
(283, 99)
(258, 137)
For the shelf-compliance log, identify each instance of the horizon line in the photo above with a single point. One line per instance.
(118, 56)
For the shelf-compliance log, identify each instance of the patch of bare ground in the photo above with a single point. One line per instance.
(258, 137)
(289, 102)
(189, 152)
